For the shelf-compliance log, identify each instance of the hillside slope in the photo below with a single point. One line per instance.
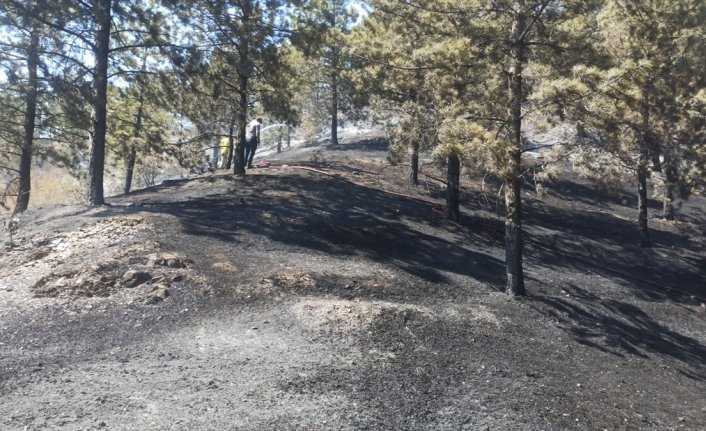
(325, 293)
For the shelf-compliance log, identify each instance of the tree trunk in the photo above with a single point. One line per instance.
(671, 173)
(132, 156)
(453, 176)
(334, 108)
(231, 143)
(513, 185)
(100, 88)
(642, 202)
(414, 165)
(30, 120)
(279, 140)
(289, 136)
(243, 75)
(239, 164)
(642, 169)
(670, 150)
(130, 168)
(216, 155)
(670, 183)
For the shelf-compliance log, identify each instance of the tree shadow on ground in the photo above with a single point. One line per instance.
(366, 145)
(331, 215)
(336, 217)
(608, 245)
(594, 225)
(575, 190)
(624, 202)
(620, 329)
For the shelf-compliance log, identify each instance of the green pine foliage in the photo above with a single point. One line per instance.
(635, 103)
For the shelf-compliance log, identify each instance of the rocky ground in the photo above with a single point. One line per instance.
(325, 293)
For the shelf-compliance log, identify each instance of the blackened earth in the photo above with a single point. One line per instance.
(325, 293)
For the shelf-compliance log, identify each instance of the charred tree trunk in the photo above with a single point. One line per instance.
(100, 88)
(239, 150)
(334, 108)
(421, 141)
(231, 143)
(130, 168)
(335, 72)
(513, 197)
(243, 77)
(642, 202)
(671, 174)
(279, 140)
(132, 156)
(453, 177)
(671, 177)
(643, 170)
(670, 150)
(30, 120)
(414, 165)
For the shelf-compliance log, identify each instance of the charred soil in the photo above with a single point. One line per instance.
(324, 292)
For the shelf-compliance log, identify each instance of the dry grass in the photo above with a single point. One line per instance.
(54, 186)
(50, 186)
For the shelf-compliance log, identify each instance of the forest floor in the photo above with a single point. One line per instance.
(325, 293)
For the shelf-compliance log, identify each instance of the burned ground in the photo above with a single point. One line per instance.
(326, 293)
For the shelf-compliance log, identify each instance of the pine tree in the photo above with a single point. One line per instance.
(139, 124)
(317, 51)
(338, 16)
(139, 104)
(521, 44)
(20, 22)
(634, 100)
(97, 18)
(102, 11)
(481, 62)
(678, 113)
(240, 45)
(410, 64)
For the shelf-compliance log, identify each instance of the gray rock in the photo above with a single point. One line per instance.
(134, 278)
(159, 293)
(169, 260)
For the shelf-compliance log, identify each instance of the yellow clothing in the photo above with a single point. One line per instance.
(223, 144)
(224, 148)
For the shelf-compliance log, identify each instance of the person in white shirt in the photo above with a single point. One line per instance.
(252, 138)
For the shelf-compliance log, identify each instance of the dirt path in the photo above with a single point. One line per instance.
(294, 300)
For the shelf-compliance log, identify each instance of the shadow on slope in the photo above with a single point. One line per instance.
(619, 328)
(576, 190)
(331, 216)
(608, 244)
(366, 145)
